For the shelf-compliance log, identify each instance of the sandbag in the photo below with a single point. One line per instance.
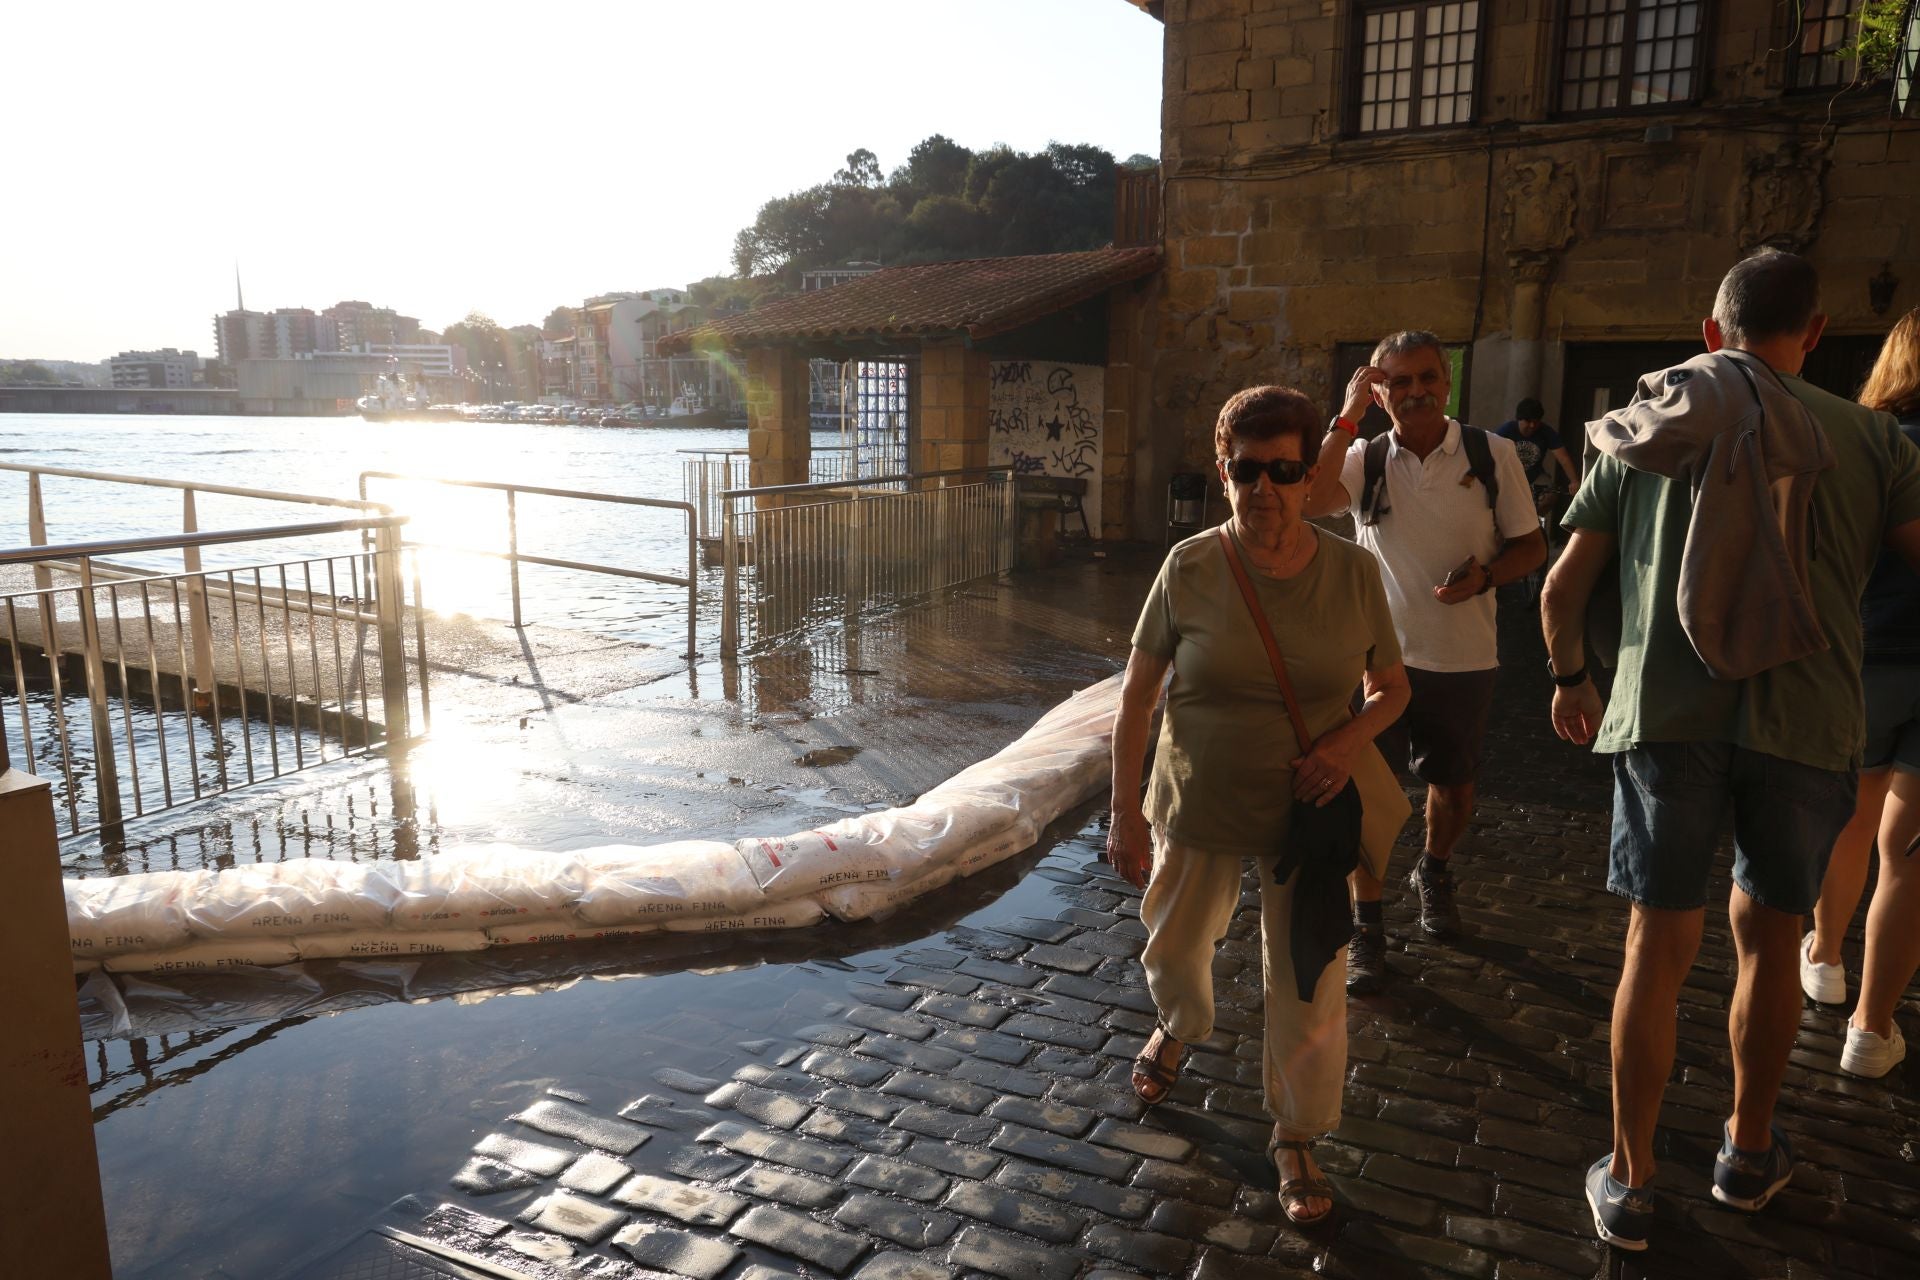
(809, 861)
(275, 899)
(205, 957)
(119, 914)
(376, 946)
(628, 885)
(794, 914)
(476, 887)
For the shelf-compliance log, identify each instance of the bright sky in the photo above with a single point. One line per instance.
(445, 157)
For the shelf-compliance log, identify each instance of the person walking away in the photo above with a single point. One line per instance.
(1888, 804)
(1229, 768)
(1446, 509)
(1740, 509)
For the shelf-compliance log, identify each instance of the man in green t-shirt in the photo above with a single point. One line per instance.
(1778, 748)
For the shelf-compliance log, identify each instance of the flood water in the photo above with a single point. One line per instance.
(326, 456)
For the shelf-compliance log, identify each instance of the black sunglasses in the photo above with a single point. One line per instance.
(1280, 470)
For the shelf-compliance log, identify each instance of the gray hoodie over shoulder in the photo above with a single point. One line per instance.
(1727, 426)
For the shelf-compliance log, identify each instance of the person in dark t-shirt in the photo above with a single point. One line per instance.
(1534, 441)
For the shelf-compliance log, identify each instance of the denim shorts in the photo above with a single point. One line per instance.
(1893, 716)
(1670, 803)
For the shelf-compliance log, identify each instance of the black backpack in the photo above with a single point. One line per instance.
(1373, 490)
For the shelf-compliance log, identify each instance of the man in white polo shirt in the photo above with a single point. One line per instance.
(1447, 510)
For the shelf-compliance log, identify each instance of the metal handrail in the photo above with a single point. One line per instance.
(514, 558)
(194, 627)
(865, 482)
(195, 486)
(167, 541)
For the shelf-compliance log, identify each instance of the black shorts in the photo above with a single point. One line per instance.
(1439, 736)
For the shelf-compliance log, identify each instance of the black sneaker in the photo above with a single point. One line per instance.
(1622, 1215)
(1438, 916)
(1367, 960)
(1748, 1179)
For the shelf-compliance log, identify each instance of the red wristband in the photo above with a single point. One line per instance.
(1339, 423)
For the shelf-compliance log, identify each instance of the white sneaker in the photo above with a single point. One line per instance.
(1823, 983)
(1870, 1055)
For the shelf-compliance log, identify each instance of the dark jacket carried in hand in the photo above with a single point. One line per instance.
(1726, 425)
(1323, 845)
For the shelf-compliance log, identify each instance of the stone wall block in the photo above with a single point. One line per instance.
(1254, 73)
(1213, 72)
(1193, 290)
(1247, 305)
(1270, 134)
(1291, 71)
(1218, 36)
(1202, 140)
(1214, 108)
(1209, 251)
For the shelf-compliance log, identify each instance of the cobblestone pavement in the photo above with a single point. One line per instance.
(968, 1114)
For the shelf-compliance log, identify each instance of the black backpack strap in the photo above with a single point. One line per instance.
(1480, 465)
(1373, 490)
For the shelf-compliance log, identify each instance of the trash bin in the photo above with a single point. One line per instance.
(1187, 498)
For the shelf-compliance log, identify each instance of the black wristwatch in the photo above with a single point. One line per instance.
(1487, 585)
(1571, 680)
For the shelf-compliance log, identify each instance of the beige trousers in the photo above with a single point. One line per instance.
(1188, 905)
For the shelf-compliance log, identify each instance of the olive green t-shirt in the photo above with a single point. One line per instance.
(1810, 710)
(1222, 774)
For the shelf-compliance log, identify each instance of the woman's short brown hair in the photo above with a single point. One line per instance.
(1261, 413)
(1894, 384)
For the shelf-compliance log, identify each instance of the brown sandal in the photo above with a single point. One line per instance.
(1296, 1191)
(1153, 1079)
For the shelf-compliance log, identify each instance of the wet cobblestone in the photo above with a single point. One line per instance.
(968, 1114)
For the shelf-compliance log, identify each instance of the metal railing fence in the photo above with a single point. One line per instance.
(515, 557)
(708, 473)
(203, 682)
(796, 556)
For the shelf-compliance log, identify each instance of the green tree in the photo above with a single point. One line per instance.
(935, 167)
(25, 373)
(863, 170)
(559, 323)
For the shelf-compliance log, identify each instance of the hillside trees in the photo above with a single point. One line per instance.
(946, 201)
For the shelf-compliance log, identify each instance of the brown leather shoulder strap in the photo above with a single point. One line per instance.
(1266, 637)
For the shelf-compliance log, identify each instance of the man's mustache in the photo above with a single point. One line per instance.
(1421, 402)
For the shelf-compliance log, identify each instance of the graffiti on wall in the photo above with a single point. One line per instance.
(1044, 418)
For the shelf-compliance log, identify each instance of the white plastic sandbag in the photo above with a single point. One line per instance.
(796, 913)
(809, 861)
(389, 944)
(275, 899)
(480, 886)
(205, 957)
(117, 914)
(627, 885)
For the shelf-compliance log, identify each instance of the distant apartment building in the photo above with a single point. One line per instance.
(613, 351)
(357, 324)
(827, 277)
(433, 360)
(167, 368)
(285, 334)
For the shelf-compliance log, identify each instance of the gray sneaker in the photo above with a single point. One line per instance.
(1438, 916)
(1622, 1215)
(1748, 1179)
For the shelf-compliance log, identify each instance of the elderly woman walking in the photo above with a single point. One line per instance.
(1230, 768)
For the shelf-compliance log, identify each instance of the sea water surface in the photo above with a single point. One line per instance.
(326, 456)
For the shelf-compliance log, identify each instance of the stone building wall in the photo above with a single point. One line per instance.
(1288, 233)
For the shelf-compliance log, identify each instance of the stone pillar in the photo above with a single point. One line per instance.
(1531, 272)
(1119, 469)
(953, 407)
(54, 1223)
(779, 432)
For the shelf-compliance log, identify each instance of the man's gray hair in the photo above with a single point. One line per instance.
(1769, 295)
(1406, 342)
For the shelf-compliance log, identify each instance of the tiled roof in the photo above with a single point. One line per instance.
(978, 297)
